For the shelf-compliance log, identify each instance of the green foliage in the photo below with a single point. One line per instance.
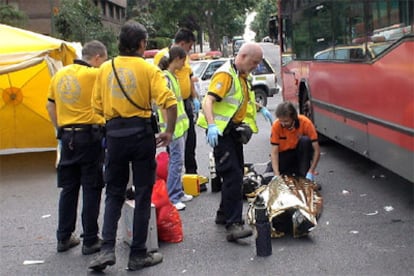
(158, 42)
(11, 16)
(215, 18)
(264, 10)
(81, 21)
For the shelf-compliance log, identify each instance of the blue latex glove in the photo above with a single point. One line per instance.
(310, 176)
(275, 177)
(196, 103)
(268, 116)
(212, 135)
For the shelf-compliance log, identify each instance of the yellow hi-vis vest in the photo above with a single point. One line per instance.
(224, 110)
(182, 124)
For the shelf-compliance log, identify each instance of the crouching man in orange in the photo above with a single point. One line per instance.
(295, 147)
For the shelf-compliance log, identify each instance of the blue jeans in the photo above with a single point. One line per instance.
(175, 168)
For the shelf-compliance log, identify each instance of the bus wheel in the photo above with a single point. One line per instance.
(305, 107)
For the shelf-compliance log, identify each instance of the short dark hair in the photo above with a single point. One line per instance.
(93, 48)
(174, 52)
(184, 34)
(286, 109)
(132, 33)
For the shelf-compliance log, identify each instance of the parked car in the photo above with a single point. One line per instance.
(360, 52)
(150, 54)
(264, 81)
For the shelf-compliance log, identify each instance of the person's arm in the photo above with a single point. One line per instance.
(208, 108)
(212, 129)
(315, 158)
(96, 99)
(265, 112)
(171, 119)
(164, 138)
(274, 154)
(194, 93)
(312, 134)
(51, 109)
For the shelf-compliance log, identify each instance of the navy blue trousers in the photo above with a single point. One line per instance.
(295, 161)
(80, 165)
(139, 151)
(190, 162)
(228, 155)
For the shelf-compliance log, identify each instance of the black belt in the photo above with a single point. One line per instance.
(81, 127)
(230, 127)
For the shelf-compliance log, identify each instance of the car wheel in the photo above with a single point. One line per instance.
(260, 96)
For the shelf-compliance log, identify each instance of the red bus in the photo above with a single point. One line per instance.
(350, 68)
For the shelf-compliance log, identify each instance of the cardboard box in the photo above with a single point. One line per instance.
(191, 184)
(127, 218)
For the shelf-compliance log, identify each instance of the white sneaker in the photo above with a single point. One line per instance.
(186, 198)
(179, 206)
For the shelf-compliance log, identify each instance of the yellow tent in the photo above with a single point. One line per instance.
(27, 62)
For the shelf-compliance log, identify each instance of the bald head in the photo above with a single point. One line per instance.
(249, 56)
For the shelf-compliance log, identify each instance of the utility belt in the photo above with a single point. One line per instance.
(95, 133)
(123, 127)
(92, 128)
(82, 127)
(241, 132)
(231, 127)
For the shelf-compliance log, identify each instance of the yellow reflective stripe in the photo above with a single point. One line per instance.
(222, 118)
(232, 101)
(181, 117)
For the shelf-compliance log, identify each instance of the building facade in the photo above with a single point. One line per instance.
(40, 13)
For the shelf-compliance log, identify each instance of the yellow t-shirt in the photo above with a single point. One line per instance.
(220, 85)
(183, 75)
(71, 91)
(143, 82)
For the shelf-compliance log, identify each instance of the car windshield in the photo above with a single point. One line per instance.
(198, 68)
(263, 68)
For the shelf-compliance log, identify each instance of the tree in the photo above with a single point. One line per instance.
(11, 16)
(259, 25)
(216, 18)
(81, 21)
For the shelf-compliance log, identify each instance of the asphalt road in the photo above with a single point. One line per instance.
(366, 228)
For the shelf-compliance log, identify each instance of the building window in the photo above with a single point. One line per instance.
(103, 7)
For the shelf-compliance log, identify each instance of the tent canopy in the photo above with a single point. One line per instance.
(27, 62)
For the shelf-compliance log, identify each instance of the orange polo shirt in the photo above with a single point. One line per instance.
(288, 139)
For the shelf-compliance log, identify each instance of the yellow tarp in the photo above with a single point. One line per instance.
(27, 62)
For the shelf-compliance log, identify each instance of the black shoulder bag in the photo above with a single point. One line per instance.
(154, 120)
